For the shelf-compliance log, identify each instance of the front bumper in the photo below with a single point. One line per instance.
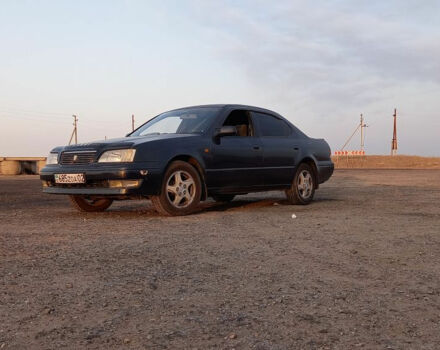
(90, 191)
(100, 179)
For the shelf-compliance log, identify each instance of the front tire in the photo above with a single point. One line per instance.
(181, 190)
(303, 186)
(84, 204)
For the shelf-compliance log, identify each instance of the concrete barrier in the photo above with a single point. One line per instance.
(10, 167)
(40, 165)
(21, 165)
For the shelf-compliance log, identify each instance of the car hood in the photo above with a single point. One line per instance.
(123, 142)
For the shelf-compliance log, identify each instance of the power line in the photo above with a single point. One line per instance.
(27, 111)
(18, 117)
(39, 119)
(349, 139)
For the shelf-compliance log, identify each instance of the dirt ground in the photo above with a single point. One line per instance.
(358, 268)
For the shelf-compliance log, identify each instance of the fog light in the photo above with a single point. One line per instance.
(45, 183)
(124, 183)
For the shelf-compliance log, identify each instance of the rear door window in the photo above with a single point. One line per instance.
(269, 125)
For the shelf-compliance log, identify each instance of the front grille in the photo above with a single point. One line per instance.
(74, 158)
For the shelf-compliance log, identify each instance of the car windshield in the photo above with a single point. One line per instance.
(182, 121)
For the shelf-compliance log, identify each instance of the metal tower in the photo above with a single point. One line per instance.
(394, 140)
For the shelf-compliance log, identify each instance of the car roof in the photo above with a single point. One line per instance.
(232, 106)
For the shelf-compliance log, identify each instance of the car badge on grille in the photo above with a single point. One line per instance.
(75, 157)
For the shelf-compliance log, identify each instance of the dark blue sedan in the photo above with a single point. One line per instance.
(183, 156)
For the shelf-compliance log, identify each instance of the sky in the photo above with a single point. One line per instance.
(318, 63)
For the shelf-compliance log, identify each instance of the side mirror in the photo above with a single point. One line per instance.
(227, 130)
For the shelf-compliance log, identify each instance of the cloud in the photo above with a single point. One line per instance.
(305, 42)
(319, 63)
(333, 58)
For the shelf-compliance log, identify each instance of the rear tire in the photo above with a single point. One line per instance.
(181, 190)
(223, 197)
(81, 203)
(303, 186)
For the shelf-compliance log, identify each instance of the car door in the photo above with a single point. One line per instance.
(280, 149)
(236, 160)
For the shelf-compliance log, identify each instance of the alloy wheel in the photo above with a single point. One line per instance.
(180, 189)
(305, 184)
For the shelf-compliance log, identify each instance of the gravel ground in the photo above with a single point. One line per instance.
(358, 268)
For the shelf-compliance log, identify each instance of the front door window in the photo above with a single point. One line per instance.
(242, 121)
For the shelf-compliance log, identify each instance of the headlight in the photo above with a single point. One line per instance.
(52, 158)
(117, 155)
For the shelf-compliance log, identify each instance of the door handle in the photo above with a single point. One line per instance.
(256, 148)
(295, 148)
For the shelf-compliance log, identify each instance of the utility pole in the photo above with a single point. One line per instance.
(394, 140)
(362, 126)
(132, 122)
(75, 123)
(75, 130)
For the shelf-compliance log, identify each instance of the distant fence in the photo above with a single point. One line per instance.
(349, 153)
(385, 162)
(349, 159)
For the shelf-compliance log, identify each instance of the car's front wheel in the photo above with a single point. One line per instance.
(303, 186)
(181, 190)
(83, 203)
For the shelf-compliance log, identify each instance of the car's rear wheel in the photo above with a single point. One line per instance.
(303, 186)
(181, 190)
(223, 197)
(83, 203)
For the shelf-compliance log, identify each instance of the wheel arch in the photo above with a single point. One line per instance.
(197, 165)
